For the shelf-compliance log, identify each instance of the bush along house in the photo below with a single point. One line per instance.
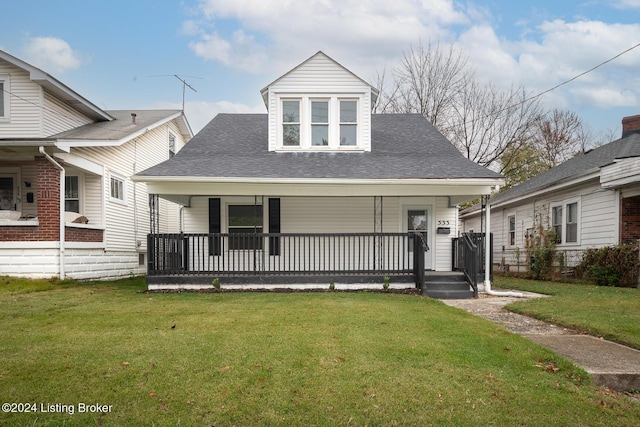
(317, 190)
(68, 207)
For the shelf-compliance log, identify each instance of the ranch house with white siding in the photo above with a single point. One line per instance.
(589, 201)
(68, 207)
(318, 189)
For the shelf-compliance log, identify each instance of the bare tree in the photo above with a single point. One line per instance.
(482, 121)
(426, 82)
(559, 136)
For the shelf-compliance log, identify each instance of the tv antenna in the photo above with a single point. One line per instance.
(184, 86)
(184, 83)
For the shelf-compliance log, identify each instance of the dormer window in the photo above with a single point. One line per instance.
(348, 123)
(291, 123)
(319, 123)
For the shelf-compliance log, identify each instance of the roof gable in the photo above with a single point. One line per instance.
(334, 75)
(60, 90)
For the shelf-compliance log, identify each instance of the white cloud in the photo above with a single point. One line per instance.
(52, 54)
(253, 35)
(626, 4)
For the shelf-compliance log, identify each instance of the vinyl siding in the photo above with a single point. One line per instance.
(128, 224)
(59, 117)
(26, 106)
(337, 215)
(598, 220)
(319, 75)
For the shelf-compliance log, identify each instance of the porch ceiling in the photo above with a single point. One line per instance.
(459, 191)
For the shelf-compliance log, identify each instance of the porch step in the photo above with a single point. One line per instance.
(446, 285)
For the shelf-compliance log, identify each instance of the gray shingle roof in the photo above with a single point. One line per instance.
(583, 164)
(403, 146)
(116, 129)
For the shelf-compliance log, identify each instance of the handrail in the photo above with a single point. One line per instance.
(470, 271)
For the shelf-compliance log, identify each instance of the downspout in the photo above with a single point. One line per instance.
(61, 215)
(487, 259)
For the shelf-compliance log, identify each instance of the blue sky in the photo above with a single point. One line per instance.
(123, 54)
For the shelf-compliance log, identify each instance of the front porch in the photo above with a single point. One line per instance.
(301, 260)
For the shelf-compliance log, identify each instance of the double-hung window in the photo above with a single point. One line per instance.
(117, 189)
(291, 123)
(511, 232)
(5, 90)
(320, 123)
(172, 145)
(564, 222)
(71, 194)
(348, 122)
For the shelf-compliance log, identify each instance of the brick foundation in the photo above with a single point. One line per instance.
(630, 219)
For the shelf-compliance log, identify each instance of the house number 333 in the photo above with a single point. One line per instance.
(443, 222)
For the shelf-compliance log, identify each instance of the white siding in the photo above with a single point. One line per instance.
(598, 220)
(25, 103)
(127, 225)
(320, 75)
(34, 113)
(337, 215)
(59, 117)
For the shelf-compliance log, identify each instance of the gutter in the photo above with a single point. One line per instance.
(61, 214)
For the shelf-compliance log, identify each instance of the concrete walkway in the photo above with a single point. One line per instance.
(609, 364)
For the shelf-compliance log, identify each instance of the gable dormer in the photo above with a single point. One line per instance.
(319, 106)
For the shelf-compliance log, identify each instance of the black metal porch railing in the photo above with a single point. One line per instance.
(466, 257)
(281, 254)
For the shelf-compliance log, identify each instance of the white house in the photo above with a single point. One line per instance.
(590, 201)
(316, 189)
(68, 207)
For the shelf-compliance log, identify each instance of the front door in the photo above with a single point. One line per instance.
(417, 220)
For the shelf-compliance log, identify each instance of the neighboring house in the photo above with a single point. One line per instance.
(316, 189)
(589, 201)
(67, 205)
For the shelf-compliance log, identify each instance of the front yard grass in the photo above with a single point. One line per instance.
(608, 312)
(327, 358)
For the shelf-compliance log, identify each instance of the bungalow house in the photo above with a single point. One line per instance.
(68, 207)
(589, 201)
(317, 189)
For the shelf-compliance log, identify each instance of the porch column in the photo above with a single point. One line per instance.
(487, 247)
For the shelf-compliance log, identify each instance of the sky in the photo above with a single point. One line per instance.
(125, 54)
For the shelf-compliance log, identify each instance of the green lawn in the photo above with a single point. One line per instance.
(325, 358)
(611, 313)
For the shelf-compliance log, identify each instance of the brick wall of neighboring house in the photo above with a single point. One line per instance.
(48, 198)
(630, 219)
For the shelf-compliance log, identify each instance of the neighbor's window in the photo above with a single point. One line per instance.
(118, 189)
(348, 122)
(5, 89)
(291, 123)
(565, 218)
(71, 194)
(172, 145)
(244, 222)
(556, 222)
(572, 223)
(512, 230)
(320, 123)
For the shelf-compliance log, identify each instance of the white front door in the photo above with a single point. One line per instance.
(417, 219)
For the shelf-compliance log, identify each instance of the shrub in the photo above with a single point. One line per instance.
(612, 266)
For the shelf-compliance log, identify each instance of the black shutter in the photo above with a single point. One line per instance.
(274, 226)
(214, 226)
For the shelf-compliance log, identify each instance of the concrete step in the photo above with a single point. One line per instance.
(446, 285)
